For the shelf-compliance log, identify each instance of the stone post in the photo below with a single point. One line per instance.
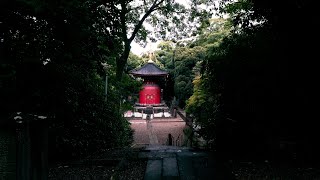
(170, 139)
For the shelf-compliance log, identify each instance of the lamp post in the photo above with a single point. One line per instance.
(173, 103)
(105, 68)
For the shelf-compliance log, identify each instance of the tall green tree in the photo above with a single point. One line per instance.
(181, 58)
(258, 82)
(163, 15)
(205, 102)
(52, 53)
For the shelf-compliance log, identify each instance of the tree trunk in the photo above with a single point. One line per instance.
(122, 61)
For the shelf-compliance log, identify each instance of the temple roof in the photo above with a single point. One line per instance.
(149, 69)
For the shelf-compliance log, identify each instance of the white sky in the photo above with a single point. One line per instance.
(138, 50)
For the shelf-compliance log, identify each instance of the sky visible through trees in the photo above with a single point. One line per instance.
(248, 86)
(152, 46)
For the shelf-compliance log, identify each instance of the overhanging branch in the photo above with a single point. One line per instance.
(138, 26)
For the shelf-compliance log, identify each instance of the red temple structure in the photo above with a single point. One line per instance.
(150, 97)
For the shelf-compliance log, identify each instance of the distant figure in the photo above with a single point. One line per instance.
(170, 139)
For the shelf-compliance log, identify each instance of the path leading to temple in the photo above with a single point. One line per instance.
(181, 163)
(156, 131)
(173, 162)
(149, 158)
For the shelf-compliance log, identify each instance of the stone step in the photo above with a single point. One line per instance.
(172, 163)
(154, 170)
(170, 168)
(186, 168)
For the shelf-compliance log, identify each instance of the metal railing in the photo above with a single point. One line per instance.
(172, 141)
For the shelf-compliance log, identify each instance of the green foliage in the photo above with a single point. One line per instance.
(53, 52)
(198, 98)
(129, 87)
(247, 90)
(84, 121)
(170, 20)
(181, 60)
(180, 63)
(134, 62)
(205, 103)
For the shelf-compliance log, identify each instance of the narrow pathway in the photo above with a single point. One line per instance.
(181, 163)
(162, 163)
(173, 162)
(152, 136)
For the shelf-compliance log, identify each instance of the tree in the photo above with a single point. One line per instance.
(258, 79)
(164, 16)
(52, 52)
(134, 62)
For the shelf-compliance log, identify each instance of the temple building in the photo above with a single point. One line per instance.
(150, 103)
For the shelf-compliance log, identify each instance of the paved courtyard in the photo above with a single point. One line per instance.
(156, 131)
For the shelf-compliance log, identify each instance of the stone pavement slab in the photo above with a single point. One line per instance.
(154, 170)
(185, 168)
(172, 162)
(170, 167)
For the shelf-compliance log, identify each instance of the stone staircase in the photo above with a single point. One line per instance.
(181, 163)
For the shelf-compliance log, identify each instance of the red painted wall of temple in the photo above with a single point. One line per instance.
(150, 94)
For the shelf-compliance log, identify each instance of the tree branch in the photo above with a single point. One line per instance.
(138, 26)
(123, 20)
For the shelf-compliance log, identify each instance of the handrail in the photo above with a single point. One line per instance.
(178, 140)
(174, 141)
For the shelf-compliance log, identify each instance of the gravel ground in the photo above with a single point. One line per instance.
(74, 173)
(132, 170)
(116, 164)
(263, 171)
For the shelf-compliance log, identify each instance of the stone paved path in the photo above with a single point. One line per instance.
(173, 162)
(152, 136)
(156, 131)
(181, 163)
